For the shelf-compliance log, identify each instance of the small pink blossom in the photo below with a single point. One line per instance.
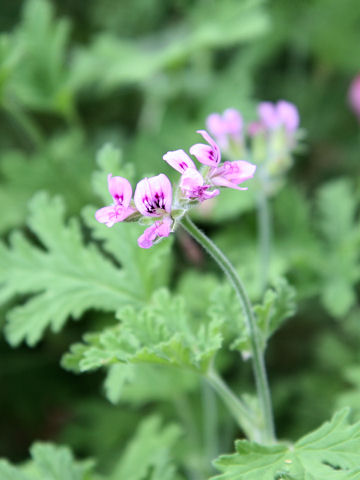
(227, 174)
(231, 174)
(193, 186)
(229, 124)
(153, 196)
(206, 154)
(254, 128)
(161, 228)
(179, 160)
(192, 183)
(274, 116)
(354, 95)
(121, 191)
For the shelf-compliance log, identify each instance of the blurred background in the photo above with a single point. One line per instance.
(144, 74)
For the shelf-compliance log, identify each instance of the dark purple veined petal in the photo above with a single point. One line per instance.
(153, 196)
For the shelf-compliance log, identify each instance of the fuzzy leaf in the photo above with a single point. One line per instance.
(161, 333)
(63, 277)
(340, 268)
(278, 306)
(49, 462)
(149, 449)
(332, 452)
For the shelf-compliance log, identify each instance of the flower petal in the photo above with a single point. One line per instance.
(288, 115)
(216, 125)
(153, 196)
(179, 160)
(268, 115)
(161, 228)
(230, 174)
(113, 214)
(120, 189)
(206, 154)
(191, 180)
(233, 121)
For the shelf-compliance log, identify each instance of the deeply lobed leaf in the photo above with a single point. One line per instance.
(330, 452)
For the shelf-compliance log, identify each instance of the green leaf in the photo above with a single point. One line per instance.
(330, 452)
(337, 206)
(49, 462)
(161, 333)
(149, 449)
(63, 277)
(278, 306)
(64, 165)
(146, 269)
(41, 81)
(110, 62)
(134, 383)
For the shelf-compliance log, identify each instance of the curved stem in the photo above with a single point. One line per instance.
(237, 408)
(262, 386)
(264, 233)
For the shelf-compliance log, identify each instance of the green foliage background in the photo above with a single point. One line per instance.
(143, 75)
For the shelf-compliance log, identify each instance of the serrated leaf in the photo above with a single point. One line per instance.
(64, 277)
(330, 452)
(56, 165)
(161, 333)
(135, 383)
(49, 462)
(340, 269)
(42, 80)
(278, 306)
(110, 62)
(149, 448)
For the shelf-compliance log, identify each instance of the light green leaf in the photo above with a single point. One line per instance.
(278, 306)
(64, 165)
(332, 452)
(337, 204)
(64, 277)
(149, 449)
(161, 333)
(110, 61)
(42, 80)
(134, 383)
(49, 462)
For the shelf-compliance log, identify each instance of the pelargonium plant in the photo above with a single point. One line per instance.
(268, 142)
(157, 201)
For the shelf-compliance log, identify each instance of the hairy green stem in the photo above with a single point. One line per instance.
(262, 386)
(264, 234)
(243, 416)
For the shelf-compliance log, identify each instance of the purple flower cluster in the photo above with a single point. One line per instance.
(153, 196)
(228, 127)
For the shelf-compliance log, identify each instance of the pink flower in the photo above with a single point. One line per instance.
(121, 191)
(227, 174)
(274, 116)
(354, 95)
(161, 228)
(192, 183)
(179, 160)
(153, 198)
(254, 128)
(229, 124)
(193, 186)
(230, 174)
(206, 154)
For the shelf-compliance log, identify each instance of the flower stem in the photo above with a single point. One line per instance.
(264, 233)
(240, 412)
(262, 386)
